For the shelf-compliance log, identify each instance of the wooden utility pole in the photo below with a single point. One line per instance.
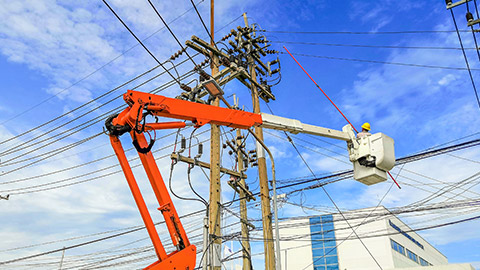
(262, 175)
(214, 228)
(247, 259)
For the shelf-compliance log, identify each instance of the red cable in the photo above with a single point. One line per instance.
(320, 89)
(332, 103)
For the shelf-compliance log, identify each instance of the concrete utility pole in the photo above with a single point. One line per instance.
(214, 228)
(262, 175)
(247, 259)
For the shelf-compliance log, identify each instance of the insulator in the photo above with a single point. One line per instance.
(275, 71)
(254, 164)
(252, 151)
(245, 163)
(271, 52)
(203, 74)
(200, 148)
(227, 36)
(224, 146)
(184, 143)
(469, 16)
(177, 54)
(205, 62)
(185, 87)
(230, 152)
(240, 137)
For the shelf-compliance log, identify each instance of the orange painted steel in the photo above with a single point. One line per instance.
(129, 120)
(137, 195)
(199, 114)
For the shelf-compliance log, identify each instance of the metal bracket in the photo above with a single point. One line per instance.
(452, 5)
(206, 165)
(237, 185)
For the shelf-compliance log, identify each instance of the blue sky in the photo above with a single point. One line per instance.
(47, 48)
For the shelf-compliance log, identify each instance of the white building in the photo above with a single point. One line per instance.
(327, 243)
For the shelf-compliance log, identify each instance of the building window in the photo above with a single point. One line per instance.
(423, 262)
(324, 249)
(397, 247)
(412, 256)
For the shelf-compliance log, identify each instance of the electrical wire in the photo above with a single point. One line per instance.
(21, 146)
(473, 32)
(371, 46)
(465, 57)
(95, 71)
(139, 41)
(204, 26)
(381, 62)
(171, 32)
(365, 33)
(99, 118)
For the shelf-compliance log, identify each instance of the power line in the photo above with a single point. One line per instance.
(116, 88)
(53, 153)
(371, 46)
(88, 242)
(171, 32)
(203, 23)
(95, 71)
(21, 190)
(471, 27)
(139, 41)
(380, 62)
(364, 32)
(98, 118)
(8, 151)
(466, 59)
(77, 108)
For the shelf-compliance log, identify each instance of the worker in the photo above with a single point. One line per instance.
(365, 130)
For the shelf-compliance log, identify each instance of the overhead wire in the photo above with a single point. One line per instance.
(139, 41)
(473, 32)
(382, 62)
(366, 32)
(19, 191)
(371, 46)
(197, 212)
(171, 32)
(55, 152)
(204, 26)
(466, 59)
(96, 70)
(21, 146)
(90, 101)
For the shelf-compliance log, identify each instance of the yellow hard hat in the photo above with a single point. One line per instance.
(366, 126)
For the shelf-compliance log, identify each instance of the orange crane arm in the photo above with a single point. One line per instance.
(130, 120)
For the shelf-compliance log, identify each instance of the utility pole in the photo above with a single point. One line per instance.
(247, 259)
(214, 210)
(239, 62)
(262, 174)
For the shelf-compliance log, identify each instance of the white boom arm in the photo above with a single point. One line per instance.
(372, 156)
(295, 127)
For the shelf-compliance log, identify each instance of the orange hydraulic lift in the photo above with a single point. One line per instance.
(132, 120)
(377, 149)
